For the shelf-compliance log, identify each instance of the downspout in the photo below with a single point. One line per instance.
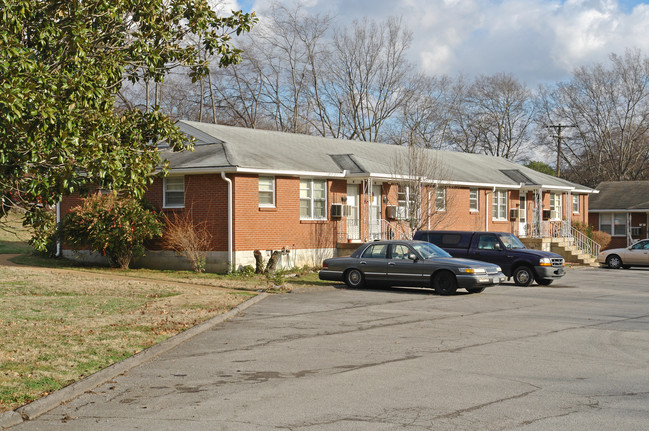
(58, 229)
(229, 181)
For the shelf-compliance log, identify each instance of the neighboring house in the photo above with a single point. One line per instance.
(308, 195)
(621, 209)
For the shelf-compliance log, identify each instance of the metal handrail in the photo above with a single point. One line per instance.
(563, 229)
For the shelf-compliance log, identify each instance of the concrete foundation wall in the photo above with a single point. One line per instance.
(216, 260)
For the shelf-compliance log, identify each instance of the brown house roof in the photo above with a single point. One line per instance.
(621, 195)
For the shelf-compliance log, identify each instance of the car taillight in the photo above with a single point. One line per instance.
(324, 265)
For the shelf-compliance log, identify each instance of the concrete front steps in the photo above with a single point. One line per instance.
(563, 246)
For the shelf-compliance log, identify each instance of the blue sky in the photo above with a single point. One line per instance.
(536, 40)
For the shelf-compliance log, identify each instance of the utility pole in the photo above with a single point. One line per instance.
(558, 128)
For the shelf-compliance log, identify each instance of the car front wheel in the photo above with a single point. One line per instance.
(523, 276)
(614, 261)
(544, 282)
(444, 283)
(354, 278)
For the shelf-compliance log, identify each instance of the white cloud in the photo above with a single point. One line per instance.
(536, 40)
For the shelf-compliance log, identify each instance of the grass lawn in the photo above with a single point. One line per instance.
(13, 237)
(60, 321)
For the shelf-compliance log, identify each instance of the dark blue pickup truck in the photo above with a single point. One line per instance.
(503, 249)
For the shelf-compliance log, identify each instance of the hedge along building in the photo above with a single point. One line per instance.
(308, 196)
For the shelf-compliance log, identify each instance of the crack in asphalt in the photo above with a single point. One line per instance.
(460, 412)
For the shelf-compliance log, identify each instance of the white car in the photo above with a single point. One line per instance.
(636, 255)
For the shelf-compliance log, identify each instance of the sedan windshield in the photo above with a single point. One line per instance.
(510, 241)
(428, 250)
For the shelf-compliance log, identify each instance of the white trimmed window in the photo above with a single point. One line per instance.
(499, 205)
(555, 206)
(403, 197)
(440, 199)
(266, 191)
(575, 204)
(313, 199)
(173, 191)
(474, 204)
(613, 223)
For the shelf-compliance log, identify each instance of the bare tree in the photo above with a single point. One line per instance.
(367, 80)
(424, 119)
(493, 116)
(273, 87)
(608, 108)
(422, 196)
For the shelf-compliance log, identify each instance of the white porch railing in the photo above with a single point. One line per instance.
(352, 231)
(563, 229)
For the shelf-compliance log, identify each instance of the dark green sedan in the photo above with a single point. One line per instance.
(410, 263)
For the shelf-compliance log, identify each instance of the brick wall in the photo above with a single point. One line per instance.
(206, 198)
(274, 228)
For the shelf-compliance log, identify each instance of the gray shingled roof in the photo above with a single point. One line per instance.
(618, 195)
(230, 149)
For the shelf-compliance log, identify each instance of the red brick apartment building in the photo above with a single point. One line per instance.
(308, 195)
(622, 210)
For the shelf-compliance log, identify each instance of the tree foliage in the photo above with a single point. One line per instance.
(114, 226)
(62, 64)
(541, 167)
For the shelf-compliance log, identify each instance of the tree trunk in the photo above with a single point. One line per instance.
(259, 262)
(272, 262)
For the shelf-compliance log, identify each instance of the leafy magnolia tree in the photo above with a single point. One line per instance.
(62, 64)
(114, 226)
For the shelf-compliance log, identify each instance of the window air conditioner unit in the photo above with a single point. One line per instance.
(513, 214)
(391, 212)
(546, 214)
(336, 210)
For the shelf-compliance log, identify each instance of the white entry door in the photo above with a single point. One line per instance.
(375, 213)
(522, 217)
(353, 217)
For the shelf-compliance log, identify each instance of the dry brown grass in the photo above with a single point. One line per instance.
(57, 326)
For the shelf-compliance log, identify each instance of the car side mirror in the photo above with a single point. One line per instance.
(497, 247)
(413, 257)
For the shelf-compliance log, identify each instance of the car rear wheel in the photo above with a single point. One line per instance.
(523, 276)
(444, 283)
(614, 261)
(354, 278)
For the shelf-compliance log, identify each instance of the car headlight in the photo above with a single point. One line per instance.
(499, 269)
(473, 270)
(545, 261)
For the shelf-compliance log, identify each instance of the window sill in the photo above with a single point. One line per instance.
(319, 221)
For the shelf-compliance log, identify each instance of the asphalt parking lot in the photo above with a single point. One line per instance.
(571, 356)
